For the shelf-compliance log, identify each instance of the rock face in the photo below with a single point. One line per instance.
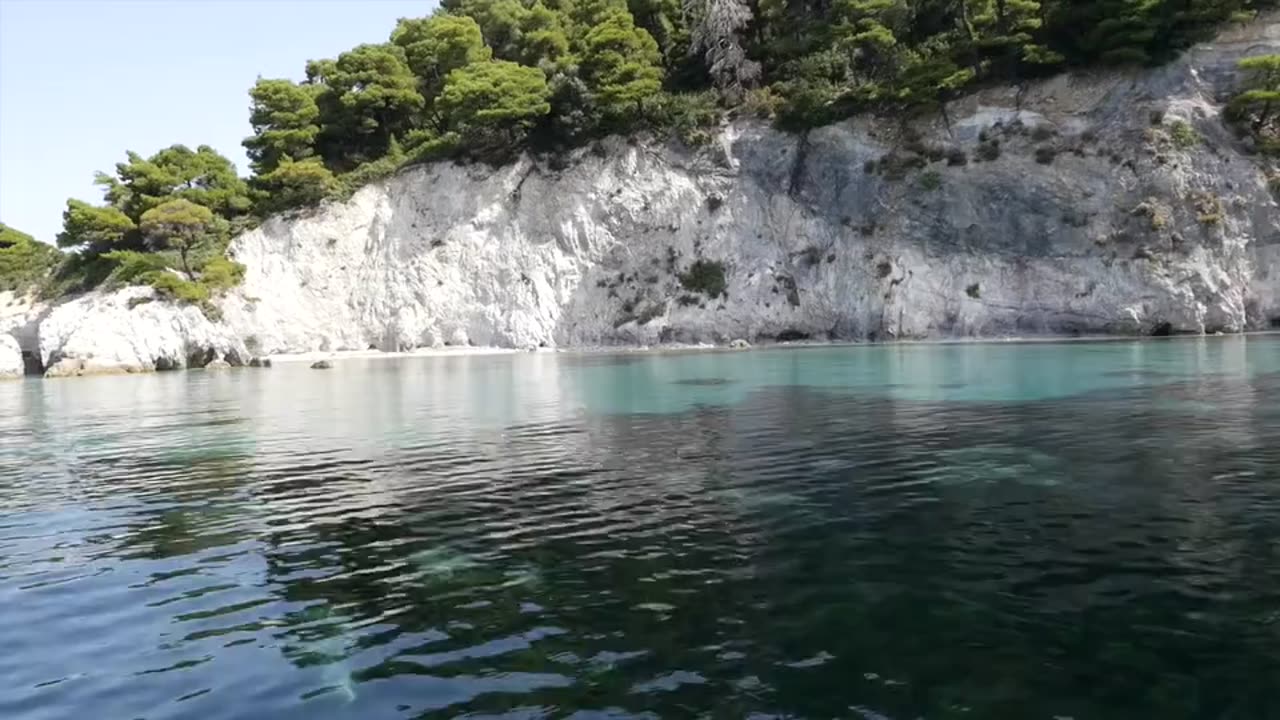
(10, 358)
(20, 316)
(129, 331)
(1086, 210)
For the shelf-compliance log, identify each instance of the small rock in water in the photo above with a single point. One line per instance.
(321, 365)
(260, 362)
(739, 344)
(703, 382)
(217, 364)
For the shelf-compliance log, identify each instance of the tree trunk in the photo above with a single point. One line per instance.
(186, 267)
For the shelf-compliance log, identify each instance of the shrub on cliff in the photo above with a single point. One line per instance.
(705, 276)
(1256, 110)
(294, 184)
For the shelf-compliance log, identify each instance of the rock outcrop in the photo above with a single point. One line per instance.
(130, 331)
(11, 367)
(1106, 203)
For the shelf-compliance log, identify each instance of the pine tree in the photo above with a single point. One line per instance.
(285, 120)
(621, 65)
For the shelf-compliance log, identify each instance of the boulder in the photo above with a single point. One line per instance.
(130, 330)
(217, 364)
(260, 362)
(321, 365)
(739, 344)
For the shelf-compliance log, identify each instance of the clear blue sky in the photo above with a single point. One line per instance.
(81, 81)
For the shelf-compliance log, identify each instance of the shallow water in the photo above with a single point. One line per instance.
(1075, 530)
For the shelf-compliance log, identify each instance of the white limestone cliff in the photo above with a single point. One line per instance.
(1092, 219)
(10, 358)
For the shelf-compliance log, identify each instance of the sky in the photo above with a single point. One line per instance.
(82, 81)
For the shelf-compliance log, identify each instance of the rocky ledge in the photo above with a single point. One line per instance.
(1114, 203)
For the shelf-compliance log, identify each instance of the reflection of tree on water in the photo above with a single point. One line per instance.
(184, 498)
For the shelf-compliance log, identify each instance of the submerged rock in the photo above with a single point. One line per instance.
(11, 364)
(321, 365)
(443, 563)
(999, 463)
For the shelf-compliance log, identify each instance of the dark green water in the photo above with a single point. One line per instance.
(1083, 530)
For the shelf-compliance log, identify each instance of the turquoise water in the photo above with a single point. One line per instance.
(1044, 530)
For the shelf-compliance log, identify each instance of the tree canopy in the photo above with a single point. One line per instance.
(179, 225)
(24, 261)
(494, 102)
(488, 78)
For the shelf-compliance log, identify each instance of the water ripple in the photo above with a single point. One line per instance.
(978, 531)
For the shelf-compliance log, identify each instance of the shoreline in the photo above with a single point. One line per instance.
(337, 355)
(474, 351)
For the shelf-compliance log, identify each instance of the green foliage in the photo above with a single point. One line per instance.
(1208, 207)
(1184, 136)
(436, 46)
(370, 96)
(500, 21)
(172, 287)
(25, 263)
(10, 237)
(219, 274)
(371, 172)
(705, 276)
(1256, 109)
(179, 225)
(286, 122)
(94, 229)
(201, 176)
(295, 184)
(492, 105)
(690, 116)
(621, 63)
(130, 266)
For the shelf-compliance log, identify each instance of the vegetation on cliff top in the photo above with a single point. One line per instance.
(24, 261)
(486, 79)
